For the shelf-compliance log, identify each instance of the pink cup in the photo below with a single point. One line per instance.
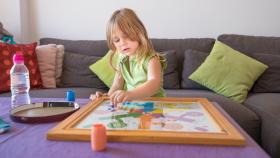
(98, 137)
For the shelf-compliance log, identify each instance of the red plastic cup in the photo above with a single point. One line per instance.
(98, 137)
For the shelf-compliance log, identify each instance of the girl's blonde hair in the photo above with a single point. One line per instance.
(128, 22)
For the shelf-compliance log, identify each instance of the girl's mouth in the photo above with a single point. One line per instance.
(125, 49)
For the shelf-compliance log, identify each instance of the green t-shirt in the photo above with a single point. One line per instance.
(135, 73)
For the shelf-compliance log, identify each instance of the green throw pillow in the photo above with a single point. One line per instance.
(103, 69)
(228, 72)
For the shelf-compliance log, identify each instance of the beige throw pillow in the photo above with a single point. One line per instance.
(46, 55)
(59, 63)
(50, 60)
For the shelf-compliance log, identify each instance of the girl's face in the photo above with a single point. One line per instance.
(124, 44)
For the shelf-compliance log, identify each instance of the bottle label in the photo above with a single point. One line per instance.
(19, 79)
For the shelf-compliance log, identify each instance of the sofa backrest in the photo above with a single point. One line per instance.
(85, 47)
(252, 44)
(99, 47)
(180, 45)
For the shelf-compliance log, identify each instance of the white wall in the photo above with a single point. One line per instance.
(10, 16)
(86, 19)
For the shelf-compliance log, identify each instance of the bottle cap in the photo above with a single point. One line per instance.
(18, 58)
(70, 95)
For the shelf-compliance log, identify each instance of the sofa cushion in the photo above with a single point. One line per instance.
(266, 105)
(193, 59)
(44, 52)
(76, 72)
(30, 60)
(46, 55)
(104, 70)
(228, 72)
(270, 79)
(170, 75)
(247, 119)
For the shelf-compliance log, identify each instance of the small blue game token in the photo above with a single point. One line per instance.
(70, 96)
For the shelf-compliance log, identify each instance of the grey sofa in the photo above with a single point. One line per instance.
(259, 115)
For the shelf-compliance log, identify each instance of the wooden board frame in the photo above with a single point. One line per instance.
(230, 136)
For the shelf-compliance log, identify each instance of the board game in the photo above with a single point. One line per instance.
(153, 120)
(154, 116)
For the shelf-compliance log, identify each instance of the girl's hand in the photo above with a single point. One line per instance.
(97, 95)
(119, 96)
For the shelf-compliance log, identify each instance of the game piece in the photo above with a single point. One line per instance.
(98, 137)
(70, 96)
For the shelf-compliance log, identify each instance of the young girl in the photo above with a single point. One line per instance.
(139, 73)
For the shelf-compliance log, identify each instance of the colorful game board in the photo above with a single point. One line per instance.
(151, 120)
(152, 115)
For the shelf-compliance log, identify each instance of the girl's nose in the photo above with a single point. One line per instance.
(122, 42)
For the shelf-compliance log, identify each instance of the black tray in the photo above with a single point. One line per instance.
(43, 112)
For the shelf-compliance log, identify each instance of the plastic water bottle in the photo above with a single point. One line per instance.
(20, 83)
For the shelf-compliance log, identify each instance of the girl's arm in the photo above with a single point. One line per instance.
(117, 83)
